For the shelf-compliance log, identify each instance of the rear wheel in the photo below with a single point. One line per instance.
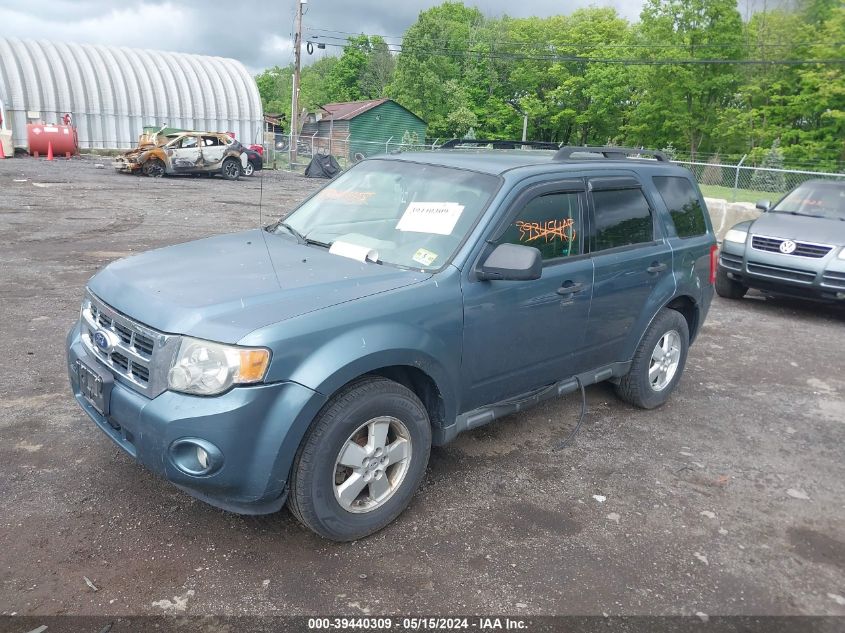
(231, 169)
(727, 287)
(658, 362)
(154, 168)
(249, 169)
(361, 461)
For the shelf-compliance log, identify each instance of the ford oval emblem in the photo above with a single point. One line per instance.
(102, 340)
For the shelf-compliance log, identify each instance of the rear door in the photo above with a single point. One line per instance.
(521, 335)
(213, 149)
(633, 267)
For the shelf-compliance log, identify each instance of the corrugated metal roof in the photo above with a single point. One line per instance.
(351, 109)
(113, 92)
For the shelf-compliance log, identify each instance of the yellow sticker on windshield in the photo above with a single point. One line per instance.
(424, 257)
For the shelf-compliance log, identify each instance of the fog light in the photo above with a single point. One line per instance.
(202, 457)
(196, 457)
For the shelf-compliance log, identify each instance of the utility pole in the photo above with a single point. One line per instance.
(294, 109)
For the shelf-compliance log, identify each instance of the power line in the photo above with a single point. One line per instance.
(569, 44)
(466, 53)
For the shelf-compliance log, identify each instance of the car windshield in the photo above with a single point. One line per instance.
(817, 199)
(395, 212)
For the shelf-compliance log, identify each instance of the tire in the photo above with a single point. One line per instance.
(249, 169)
(351, 417)
(231, 169)
(727, 287)
(647, 390)
(153, 168)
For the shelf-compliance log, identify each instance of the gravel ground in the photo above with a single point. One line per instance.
(729, 500)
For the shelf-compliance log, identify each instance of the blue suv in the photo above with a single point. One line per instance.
(418, 295)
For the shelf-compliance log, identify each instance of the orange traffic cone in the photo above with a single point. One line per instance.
(50, 151)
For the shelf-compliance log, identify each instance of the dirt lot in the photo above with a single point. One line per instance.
(729, 500)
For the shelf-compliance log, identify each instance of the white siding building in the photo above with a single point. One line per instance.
(113, 92)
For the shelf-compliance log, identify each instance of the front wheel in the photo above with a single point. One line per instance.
(658, 362)
(727, 287)
(231, 169)
(362, 460)
(153, 168)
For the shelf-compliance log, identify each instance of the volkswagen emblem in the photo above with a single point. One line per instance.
(787, 247)
(105, 340)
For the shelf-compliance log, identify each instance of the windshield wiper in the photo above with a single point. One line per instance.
(299, 236)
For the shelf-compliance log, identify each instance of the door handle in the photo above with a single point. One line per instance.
(656, 268)
(570, 288)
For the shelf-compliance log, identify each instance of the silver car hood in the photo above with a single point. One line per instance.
(800, 228)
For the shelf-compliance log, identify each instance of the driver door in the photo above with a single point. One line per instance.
(186, 154)
(521, 335)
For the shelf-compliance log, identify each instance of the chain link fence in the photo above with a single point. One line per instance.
(741, 183)
(731, 182)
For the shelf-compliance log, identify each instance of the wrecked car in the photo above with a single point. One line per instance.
(185, 153)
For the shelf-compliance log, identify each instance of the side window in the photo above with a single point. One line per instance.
(683, 203)
(550, 223)
(623, 217)
(189, 142)
(210, 141)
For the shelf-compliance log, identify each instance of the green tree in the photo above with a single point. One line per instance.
(765, 180)
(681, 102)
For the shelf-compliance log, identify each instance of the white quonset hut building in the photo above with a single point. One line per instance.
(112, 93)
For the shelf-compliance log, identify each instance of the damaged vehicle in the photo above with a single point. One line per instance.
(185, 153)
(316, 361)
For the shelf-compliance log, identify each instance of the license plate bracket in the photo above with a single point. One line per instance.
(95, 386)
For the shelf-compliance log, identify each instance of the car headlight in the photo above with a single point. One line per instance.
(204, 368)
(736, 235)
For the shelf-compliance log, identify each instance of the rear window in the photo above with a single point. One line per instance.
(683, 203)
(623, 217)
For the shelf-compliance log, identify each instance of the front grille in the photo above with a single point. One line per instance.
(141, 356)
(832, 279)
(802, 249)
(781, 272)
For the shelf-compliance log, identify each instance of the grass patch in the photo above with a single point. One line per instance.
(742, 195)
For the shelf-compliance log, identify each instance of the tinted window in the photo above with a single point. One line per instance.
(550, 223)
(622, 218)
(683, 204)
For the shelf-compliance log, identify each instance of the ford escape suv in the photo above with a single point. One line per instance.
(418, 295)
(796, 248)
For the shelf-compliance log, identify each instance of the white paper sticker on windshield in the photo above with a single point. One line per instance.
(424, 256)
(430, 217)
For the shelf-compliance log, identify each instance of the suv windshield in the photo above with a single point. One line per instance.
(409, 214)
(817, 199)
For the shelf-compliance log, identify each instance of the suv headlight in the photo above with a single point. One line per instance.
(736, 235)
(204, 368)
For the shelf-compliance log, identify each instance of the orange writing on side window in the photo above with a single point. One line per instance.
(549, 230)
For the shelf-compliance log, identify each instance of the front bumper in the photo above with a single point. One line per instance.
(819, 279)
(256, 429)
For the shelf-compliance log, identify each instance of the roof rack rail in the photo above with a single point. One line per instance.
(565, 153)
(497, 144)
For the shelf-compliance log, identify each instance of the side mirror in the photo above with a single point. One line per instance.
(764, 205)
(512, 262)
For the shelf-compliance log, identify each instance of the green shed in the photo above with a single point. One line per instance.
(362, 127)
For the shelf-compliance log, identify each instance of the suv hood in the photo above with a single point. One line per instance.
(800, 227)
(224, 287)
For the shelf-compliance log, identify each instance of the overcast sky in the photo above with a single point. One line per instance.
(258, 33)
